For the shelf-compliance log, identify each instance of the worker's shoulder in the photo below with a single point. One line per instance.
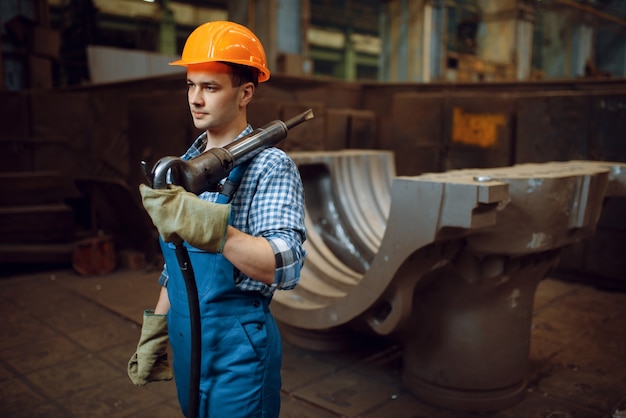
(273, 156)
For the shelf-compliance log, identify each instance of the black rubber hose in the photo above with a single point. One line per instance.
(196, 329)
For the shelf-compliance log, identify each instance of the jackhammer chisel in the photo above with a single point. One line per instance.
(200, 174)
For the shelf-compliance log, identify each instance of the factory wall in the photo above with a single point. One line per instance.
(96, 137)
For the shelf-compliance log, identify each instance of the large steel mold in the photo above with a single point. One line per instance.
(446, 263)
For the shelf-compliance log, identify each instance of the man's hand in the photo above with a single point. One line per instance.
(179, 215)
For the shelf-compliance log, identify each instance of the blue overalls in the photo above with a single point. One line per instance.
(241, 345)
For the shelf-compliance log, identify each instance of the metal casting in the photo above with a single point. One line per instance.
(445, 263)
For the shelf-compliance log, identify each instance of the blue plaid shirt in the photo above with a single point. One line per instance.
(269, 203)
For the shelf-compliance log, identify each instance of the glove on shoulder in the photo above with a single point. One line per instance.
(180, 215)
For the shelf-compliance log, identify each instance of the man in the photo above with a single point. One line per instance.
(240, 252)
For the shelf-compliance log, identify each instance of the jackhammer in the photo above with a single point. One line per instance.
(204, 172)
(200, 174)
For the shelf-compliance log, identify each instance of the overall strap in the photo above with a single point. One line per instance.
(232, 183)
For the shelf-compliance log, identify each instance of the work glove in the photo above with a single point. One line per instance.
(182, 216)
(149, 363)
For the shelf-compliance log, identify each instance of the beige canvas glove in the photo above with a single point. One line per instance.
(180, 215)
(149, 363)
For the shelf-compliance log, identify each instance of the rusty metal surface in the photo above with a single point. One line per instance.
(447, 263)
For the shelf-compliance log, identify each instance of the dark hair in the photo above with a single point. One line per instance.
(241, 74)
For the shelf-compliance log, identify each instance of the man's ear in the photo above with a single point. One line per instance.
(246, 93)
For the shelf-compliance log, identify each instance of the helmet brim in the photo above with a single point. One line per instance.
(264, 73)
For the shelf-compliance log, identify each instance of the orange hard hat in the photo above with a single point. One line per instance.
(227, 42)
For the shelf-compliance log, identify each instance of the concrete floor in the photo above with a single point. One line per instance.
(65, 341)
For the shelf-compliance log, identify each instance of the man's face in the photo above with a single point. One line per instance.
(213, 101)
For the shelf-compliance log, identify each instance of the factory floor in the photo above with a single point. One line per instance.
(65, 341)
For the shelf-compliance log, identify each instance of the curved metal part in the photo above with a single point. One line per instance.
(161, 169)
(386, 219)
(447, 262)
(355, 249)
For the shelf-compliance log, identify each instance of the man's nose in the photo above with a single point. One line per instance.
(195, 97)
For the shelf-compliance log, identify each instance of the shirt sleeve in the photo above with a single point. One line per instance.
(277, 214)
(289, 263)
(164, 277)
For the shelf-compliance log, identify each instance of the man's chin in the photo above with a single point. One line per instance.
(200, 125)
